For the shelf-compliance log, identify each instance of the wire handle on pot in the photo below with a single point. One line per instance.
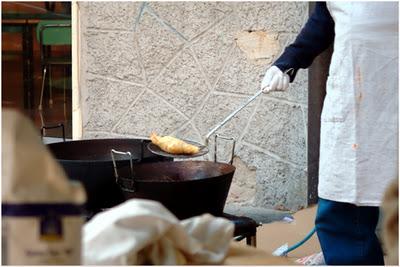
(225, 138)
(60, 125)
(142, 148)
(113, 151)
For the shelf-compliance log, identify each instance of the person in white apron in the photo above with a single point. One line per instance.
(359, 120)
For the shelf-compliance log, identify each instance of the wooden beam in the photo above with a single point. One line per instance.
(76, 99)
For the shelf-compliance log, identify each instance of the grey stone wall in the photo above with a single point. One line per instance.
(179, 68)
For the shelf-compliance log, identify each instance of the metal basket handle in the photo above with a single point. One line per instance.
(44, 127)
(113, 151)
(225, 138)
(142, 148)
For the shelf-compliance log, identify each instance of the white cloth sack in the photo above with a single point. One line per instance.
(144, 232)
(359, 120)
(41, 219)
(30, 174)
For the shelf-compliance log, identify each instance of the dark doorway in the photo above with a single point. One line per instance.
(317, 75)
(22, 65)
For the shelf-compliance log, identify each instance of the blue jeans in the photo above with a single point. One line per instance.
(346, 233)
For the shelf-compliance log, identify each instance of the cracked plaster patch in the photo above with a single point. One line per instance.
(272, 16)
(216, 109)
(182, 84)
(104, 102)
(113, 55)
(212, 48)
(243, 187)
(240, 75)
(112, 15)
(190, 18)
(279, 185)
(150, 114)
(258, 46)
(157, 44)
(282, 132)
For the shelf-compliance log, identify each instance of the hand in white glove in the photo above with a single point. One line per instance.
(274, 80)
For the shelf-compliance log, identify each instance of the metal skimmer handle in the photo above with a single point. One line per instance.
(251, 99)
(113, 151)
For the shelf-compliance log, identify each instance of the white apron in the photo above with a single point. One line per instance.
(359, 121)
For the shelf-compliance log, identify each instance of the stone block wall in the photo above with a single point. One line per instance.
(179, 68)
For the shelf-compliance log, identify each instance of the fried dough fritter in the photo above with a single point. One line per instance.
(173, 145)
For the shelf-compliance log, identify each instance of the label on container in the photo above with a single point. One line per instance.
(41, 234)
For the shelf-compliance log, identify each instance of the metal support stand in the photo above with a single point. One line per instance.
(27, 54)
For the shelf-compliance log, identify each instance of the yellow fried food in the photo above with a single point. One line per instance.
(173, 145)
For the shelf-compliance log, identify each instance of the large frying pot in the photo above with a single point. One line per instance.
(89, 162)
(186, 188)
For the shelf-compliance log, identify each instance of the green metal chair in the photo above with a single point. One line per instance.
(52, 33)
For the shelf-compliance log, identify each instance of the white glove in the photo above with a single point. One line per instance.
(274, 80)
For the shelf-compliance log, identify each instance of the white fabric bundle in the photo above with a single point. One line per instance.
(144, 232)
